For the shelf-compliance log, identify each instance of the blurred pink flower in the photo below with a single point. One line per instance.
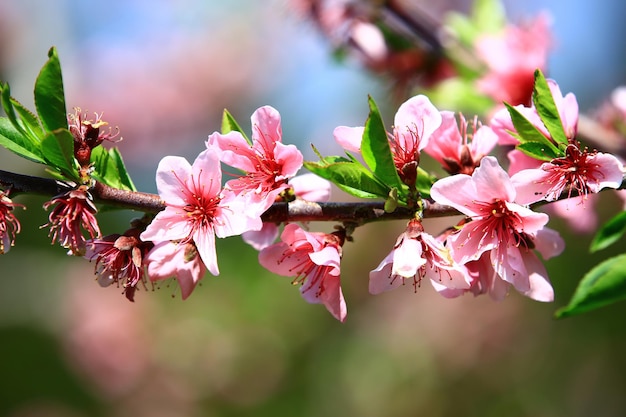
(314, 259)
(499, 225)
(417, 255)
(267, 162)
(512, 57)
(9, 225)
(73, 212)
(178, 260)
(197, 209)
(349, 138)
(451, 147)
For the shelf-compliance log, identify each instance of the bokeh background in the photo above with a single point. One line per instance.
(245, 343)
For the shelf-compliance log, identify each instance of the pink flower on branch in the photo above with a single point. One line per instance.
(267, 163)
(414, 123)
(73, 212)
(415, 256)
(451, 146)
(173, 259)
(9, 225)
(197, 209)
(579, 171)
(500, 226)
(119, 259)
(314, 260)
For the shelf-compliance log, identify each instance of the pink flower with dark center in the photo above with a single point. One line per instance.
(173, 259)
(9, 225)
(415, 256)
(579, 171)
(73, 212)
(500, 226)
(119, 260)
(451, 146)
(414, 124)
(314, 260)
(267, 163)
(197, 209)
(512, 58)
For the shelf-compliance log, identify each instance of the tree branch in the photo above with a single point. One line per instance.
(295, 211)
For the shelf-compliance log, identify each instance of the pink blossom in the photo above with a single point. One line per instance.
(579, 170)
(567, 107)
(417, 255)
(618, 100)
(450, 144)
(267, 163)
(173, 259)
(197, 209)
(313, 259)
(119, 259)
(500, 226)
(73, 212)
(414, 123)
(9, 225)
(511, 58)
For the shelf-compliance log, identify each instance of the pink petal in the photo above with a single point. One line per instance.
(418, 114)
(266, 128)
(206, 174)
(380, 278)
(310, 187)
(168, 224)
(608, 169)
(235, 150)
(171, 175)
(349, 138)
(204, 239)
(407, 258)
(290, 158)
(261, 239)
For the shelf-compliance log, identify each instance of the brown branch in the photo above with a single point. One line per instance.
(299, 210)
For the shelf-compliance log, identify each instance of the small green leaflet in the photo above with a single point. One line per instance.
(350, 176)
(109, 168)
(376, 151)
(229, 124)
(49, 94)
(58, 150)
(603, 285)
(547, 110)
(610, 232)
(15, 141)
(543, 149)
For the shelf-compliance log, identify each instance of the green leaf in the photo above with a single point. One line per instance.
(15, 141)
(58, 151)
(229, 124)
(548, 112)
(49, 95)
(610, 232)
(604, 284)
(376, 151)
(30, 121)
(125, 181)
(109, 168)
(349, 176)
(528, 132)
(536, 150)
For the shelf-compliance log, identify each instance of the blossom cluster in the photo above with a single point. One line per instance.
(499, 245)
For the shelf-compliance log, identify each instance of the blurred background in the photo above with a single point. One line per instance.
(245, 343)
